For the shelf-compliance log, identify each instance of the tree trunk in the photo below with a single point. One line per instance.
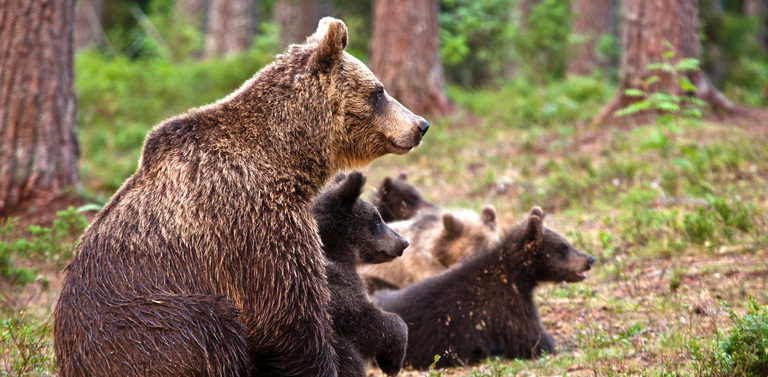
(88, 30)
(230, 26)
(405, 54)
(647, 25)
(593, 19)
(38, 122)
(759, 9)
(298, 18)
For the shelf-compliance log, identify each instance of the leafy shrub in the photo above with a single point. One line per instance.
(743, 351)
(475, 39)
(542, 45)
(54, 244)
(25, 349)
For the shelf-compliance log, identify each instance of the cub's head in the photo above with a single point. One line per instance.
(346, 222)
(464, 233)
(397, 200)
(369, 122)
(552, 257)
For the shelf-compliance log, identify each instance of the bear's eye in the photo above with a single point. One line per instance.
(378, 93)
(564, 250)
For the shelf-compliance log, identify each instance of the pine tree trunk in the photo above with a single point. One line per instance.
(298, 18)
(593, 19)
(230, 26)
(38, 122)
(405, 54)
(88, 30)
(647, 26)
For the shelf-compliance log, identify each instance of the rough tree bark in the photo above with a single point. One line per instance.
(405, 54)
(647, 25)
(298, 18)
(88, 30)
(593, 19)
(230, 26)
(38, 123)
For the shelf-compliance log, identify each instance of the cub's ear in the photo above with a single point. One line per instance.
(453, 225)
(489, 217)
(534, 228)
(349, 189)
(402, 176)
(537, 211)
(339, 177)
(332, 38)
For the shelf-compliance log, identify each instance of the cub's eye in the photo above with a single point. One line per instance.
(564, 250)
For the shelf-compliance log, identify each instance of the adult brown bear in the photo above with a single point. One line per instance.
(207, 262)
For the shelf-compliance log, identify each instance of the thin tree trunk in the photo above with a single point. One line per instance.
(593, 19)
(230, 26)
(647, 26)
(405, 54)
(38, 122)
(88, 30)
(298, 18)
(759, 9)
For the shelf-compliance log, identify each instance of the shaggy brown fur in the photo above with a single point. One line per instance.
(438, 240)
(484, 305)
(398, 200)
(353, 233)
(207, 261)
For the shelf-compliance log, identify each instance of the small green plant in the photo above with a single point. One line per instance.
(8, 251)
(670, 108)
(432, 372)
(743, 351)
(25, 349)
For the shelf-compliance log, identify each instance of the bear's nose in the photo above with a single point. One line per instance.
(423, 127)
(590, 261)
(405, 244)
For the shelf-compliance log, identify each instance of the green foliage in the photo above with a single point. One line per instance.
(475, 39)
(743, 351)
(542, 44)
(9, 250)
(25, 348)
(54, 245)
(120, 99)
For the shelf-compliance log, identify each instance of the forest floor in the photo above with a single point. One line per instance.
(656, 287)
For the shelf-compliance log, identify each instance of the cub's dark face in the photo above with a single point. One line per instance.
(376, 242)
(399, 200)
(560, 261)
(351, 229)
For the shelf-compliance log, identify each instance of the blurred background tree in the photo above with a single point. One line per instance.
(38, 120)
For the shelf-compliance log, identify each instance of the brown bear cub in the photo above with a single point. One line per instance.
(438, 240)
(484, 305)
(353, 233)
(398, 200)
(207, 261)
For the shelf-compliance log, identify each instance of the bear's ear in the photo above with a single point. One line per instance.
(489, 217)
(332, 38)
(339, 177)
(402, 176)
(453, 225)
(534, 228)
(350, 189)
(536, 210)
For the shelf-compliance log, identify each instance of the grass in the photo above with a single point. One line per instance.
(677, 227)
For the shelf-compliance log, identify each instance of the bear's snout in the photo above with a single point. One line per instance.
(590, 262)
(423, 127)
